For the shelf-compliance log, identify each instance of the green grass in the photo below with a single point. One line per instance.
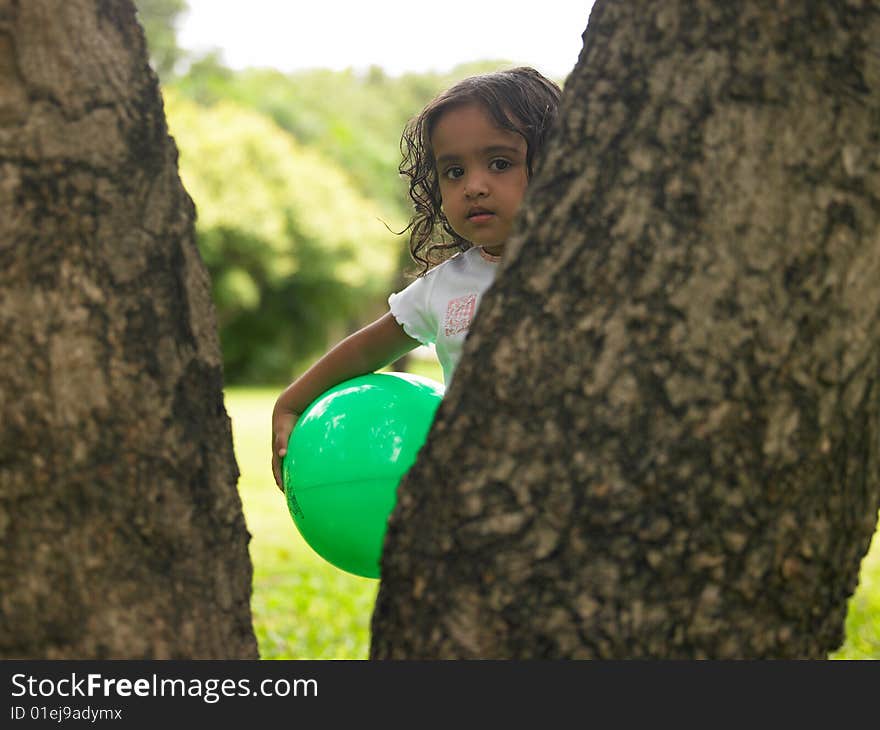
(863, 616)
(304, 608)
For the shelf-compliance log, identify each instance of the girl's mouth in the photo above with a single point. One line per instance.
(479, 215)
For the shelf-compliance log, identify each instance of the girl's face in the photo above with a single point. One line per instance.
(482, 173)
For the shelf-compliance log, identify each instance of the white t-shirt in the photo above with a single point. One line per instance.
(437, 308)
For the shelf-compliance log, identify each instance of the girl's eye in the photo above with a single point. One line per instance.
(499, 165)
(453, 173)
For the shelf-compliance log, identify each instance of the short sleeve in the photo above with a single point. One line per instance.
(411, 309)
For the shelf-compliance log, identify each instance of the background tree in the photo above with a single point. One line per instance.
(294, 249)
(159, 19)
(121, 530)
(662, 440)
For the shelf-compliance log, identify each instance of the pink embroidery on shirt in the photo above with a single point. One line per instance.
(459, 313)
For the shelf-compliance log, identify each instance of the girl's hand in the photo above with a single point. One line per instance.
(282, 424)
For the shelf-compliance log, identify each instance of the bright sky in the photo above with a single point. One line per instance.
(398, 35)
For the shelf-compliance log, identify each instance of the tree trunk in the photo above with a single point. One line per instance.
(695, 473)
(121, 530)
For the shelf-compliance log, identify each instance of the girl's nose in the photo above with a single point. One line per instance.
(475, 187)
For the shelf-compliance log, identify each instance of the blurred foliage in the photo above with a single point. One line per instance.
(293, 248)
(159, 19)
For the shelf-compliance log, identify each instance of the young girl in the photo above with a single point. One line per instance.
(468, 156)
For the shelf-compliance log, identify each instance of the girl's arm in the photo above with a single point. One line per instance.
(367, 350)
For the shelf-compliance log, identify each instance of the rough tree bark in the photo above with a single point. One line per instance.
(662, 440)
(121, 530)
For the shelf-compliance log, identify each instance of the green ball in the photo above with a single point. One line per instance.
(345, 459)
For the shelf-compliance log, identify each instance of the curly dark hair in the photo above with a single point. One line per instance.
(519, 100)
